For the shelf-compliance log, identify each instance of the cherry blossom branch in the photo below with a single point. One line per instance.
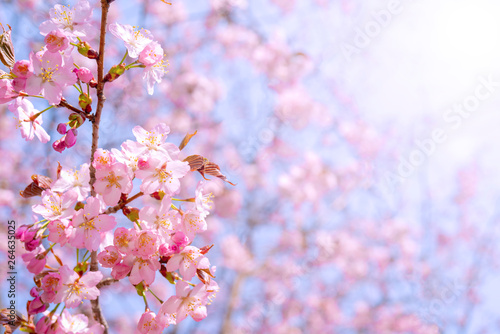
(106, 282)
(121, 205)
(79, 112)
(96, 308)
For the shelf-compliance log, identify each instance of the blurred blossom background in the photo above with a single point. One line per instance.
(362, 136)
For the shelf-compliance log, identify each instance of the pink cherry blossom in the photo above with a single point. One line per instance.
(72, 323)
(103, 159)
(203, 201)
(29, 120)
(7, 92)
(76, 22)
(187, 261)
(37, 306)
(151, 54)
(110, 257)
(144, 270)
(22, 69)
(129, 153)
(56, 206)
(60, 231)
(51, 283)
(122, 269)
(89, 225)
(135, 41)
(84, 74)
(46, 324)
(56, 41)
(193, 221)
(162, 176)
(187, 302)
(77, 181)
(50, 76)
(75, 288)
(112, 182)
(146, 244)
(151, 323)
(154, 74)
(37, 262)
(164, 220)
(154, 140)
(124, 239)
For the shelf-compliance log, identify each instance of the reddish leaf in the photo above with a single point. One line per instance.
(35, 188)
(204, 166)
(186, 140)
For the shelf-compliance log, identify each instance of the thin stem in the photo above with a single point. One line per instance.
(106, 282)
(145, 300)
(124, 57)
(121, 205)
(151, 292)
(183, 200)
(79, 89)
(96, 307)
(35, 116)
(85, 260)
(78, 111)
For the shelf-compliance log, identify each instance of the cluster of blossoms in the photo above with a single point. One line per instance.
(48, 72)
(77, 207)
(159, 240)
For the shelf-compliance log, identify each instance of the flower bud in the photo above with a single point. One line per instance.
(32, 245)
(85, 102)
(56, 41)
(158, 195)
(75, 121)
(131, 213)
(61, 128)
(59, 145)
(23, 69)
(114, 73)
(84, 74)
(19, 234)
(34, 292)
(180, 239)
(7, 56)
(36, 306)
(70, 137)
(86, 50)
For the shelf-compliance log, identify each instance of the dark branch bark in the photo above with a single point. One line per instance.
(80, 112)
(96, 307)
(106, 282)
(121, 205)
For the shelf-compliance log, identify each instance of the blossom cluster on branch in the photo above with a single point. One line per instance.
(79, 209)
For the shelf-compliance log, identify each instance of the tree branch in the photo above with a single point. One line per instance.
(106, 282)
(65, 104)
(120, 206)
(96, 308)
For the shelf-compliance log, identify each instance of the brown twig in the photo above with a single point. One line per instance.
(80, 112)
(120, 206)
(106, 282)
(96, 307)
